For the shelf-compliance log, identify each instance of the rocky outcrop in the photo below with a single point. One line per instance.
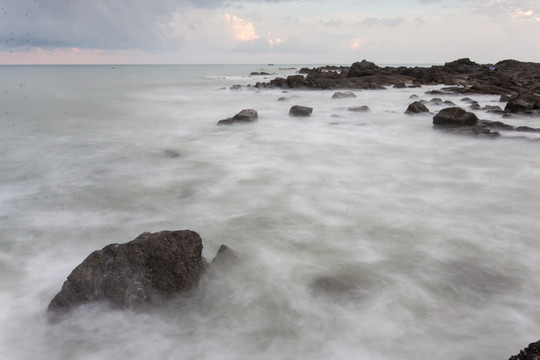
(244, 116)
(141, 273)
(531, 352)
(516, 82)
(416, 107)
(298, 110)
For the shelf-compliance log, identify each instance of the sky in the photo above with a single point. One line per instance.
(267, 31)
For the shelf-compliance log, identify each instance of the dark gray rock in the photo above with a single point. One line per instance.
(361, 108)
(475, 106)
(416, 107)
(454, 117)
(531, 352)
(361, 69)
(136, 275)
(343, 95)
(246, 115)
(298, 110)
(400, 85)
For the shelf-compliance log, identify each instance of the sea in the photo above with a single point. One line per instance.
(361, 235)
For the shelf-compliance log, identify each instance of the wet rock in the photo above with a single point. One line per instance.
(492, 108)
(298, 110)
(416, 107)
(142, 273)
(236, 87)
(171, 153)
(449, 103)
(475, 106)
(246, 115)
(400, 85)
(454, 117)
(261, 73)
(362, 108)
(361, 69)
(414, 96)
(468, 100)
(436, 101)
(435, 92)
(531, 352)
(343, 95)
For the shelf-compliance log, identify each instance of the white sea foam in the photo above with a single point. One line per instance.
(436, 234)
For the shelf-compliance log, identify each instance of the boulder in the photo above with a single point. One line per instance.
(400, 85)
(343, 95)
(454, 117)
(246, 115)
(298, 110)
(139, 274)
(362, 68)
(531, 352)
(416, 107)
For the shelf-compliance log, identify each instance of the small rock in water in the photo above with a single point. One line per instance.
(359, 108)
(298, 110)
(171, 153)
(343, 95)
(416, 107)
(246, 115)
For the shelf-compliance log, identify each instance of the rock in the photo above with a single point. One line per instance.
(362, 68)
(142, 273)
(475, 106)
(492, 108)
(282, 98)
(449, 103)
(435, 92)
(468, 100)
(414, 96)
(358, 108)
(400, 85)
(262, 73)
(531, 352)
(436, 101)
(416, 107)
(171, 153)
(236, 87)
(298, 110)
(246, 115)
(454, 117)
(343, 95)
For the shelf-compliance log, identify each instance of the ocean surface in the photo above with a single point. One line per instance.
(363, 235)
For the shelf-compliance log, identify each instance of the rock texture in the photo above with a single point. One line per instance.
(244, 116)
(298, 110)
(517, 82)
(416, 107)
(453, 117)
(141, 273)
(531, 352)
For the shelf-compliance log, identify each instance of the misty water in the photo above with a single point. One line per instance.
(363, 235)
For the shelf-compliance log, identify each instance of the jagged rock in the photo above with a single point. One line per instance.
(246, 115)
(362, 68)
(531, 352)
(416, 107)
(142, 273)
(361, 108)
(298, 110)
(454, 117)
(343, 95)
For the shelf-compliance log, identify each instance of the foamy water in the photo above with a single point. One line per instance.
(434, 235)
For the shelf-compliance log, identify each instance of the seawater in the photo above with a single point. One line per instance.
(437, 235)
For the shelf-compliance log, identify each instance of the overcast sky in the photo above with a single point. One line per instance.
(264, 31)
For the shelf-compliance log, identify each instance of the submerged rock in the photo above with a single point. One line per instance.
(416, 107)
(143, 272)
(361, 108)
(454, 117)
(343, 95)
(246, 115)
(298, 110)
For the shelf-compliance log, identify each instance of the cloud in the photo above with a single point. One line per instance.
(355, 44)
(390, 22)
(241, 30)
(334, 22)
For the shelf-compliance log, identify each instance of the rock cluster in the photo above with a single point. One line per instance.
(518, 82)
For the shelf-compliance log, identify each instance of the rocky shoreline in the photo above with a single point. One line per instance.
(518, 83)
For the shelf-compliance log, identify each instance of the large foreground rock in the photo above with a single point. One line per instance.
(532, 352)
(137, 274)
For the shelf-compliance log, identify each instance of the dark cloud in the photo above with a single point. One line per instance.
(101, 24)
(391, 22)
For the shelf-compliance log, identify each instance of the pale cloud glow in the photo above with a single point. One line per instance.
(242, 30)
(262, 31)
